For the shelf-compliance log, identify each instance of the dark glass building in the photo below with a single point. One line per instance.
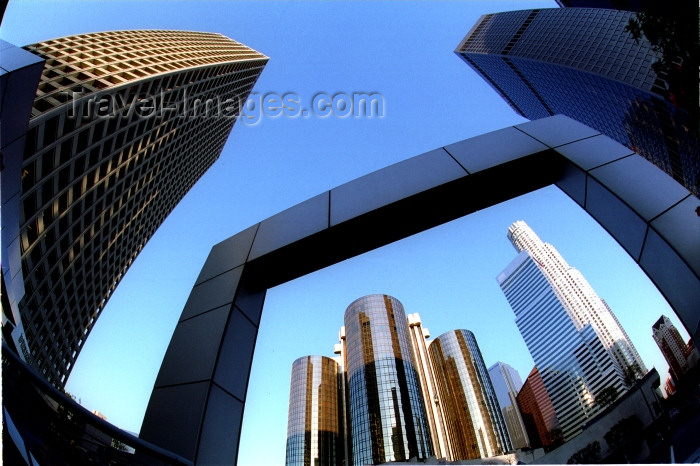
(581, 62)
(122, 125)
(472, 417)
(314, 429)
(386, 409)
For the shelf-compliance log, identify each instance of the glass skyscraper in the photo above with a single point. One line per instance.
(507, 383)
(672, 346)
(122, 125)
(314, 429)
(557, 314)
(386, 409)
(581, 62)
(472, 417)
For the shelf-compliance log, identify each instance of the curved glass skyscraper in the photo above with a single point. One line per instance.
(314, 423)
(386, 405)
(473, 420)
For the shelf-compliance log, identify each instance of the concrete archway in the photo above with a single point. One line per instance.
(196, 407)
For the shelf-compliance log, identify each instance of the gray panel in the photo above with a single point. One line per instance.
(220, 430)
(174, 417)
(228, 254)
(291, 225)
(618, 219)
(632, 177)
(573, 183)
(392, 184)
(212, 293)
(236, 355)
(680, 227)
(192, 351)
(557, 130)
(492, 149)
(674, 279)
(594, 151)
(250, 303)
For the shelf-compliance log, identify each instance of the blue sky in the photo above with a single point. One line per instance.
(404, 51)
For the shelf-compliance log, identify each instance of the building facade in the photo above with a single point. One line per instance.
(579, 299)
(473, 420)
(122, 125)
(672, 346)
(386, 411)
(573, 362)
(426, 375)
(315, 422)
(537, 412)
(507, 383)
(582, 63)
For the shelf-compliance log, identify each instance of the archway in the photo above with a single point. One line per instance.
(196, 407)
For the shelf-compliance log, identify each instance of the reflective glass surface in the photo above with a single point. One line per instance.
(473, 419)
(386, 405)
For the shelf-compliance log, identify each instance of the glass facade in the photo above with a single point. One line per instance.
(581, 62)
(387, 415)
(574, 364)
(507, 383)
(473, 421)
(314, 428)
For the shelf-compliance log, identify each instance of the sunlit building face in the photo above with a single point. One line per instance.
(386, 408)
(473, 420)
(314, 425)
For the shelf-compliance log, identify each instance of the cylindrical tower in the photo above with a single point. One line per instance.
(473, 419)
(386, 406)
(314, 428)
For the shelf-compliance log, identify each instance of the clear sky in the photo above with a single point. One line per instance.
(404, 51)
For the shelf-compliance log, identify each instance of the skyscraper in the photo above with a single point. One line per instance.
(574, 363)
(314, 430)
(122, 125)
(581, 302)
(386, 409)
(581, 62)
(507, 383)
(672, 346)
(537, 412)
(473, 420)
(426, 375)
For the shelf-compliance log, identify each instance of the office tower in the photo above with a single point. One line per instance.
(473, 421)
(314, 429)
(507, 383)
(581, 62)
(672, 346)
(387, 414)
(579, 299)
(426, 375)
(537, 412)
(628, 5)
(122, 125)
(574, 364)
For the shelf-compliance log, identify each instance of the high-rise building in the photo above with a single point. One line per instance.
(122, 125)
(431, 399)
(581, 302)
(387, 414)
(507, 383)
(574, 364)
(537, 412)
(672, 346)
(581, 62)
(472, 417)
(314, 429)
